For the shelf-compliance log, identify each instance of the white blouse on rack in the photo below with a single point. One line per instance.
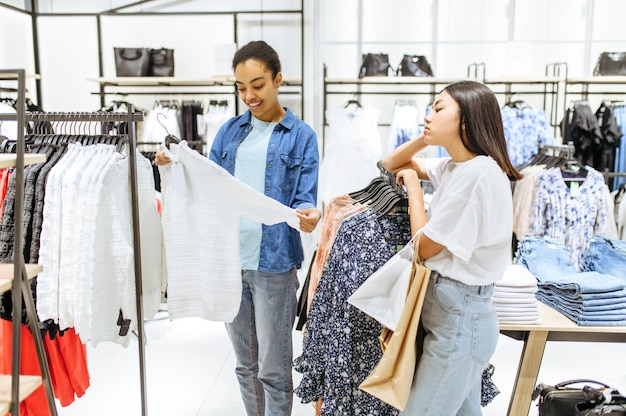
(87, 249)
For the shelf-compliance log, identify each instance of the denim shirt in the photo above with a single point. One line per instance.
(291, 177)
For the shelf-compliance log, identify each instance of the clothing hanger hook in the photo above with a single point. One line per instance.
(159, 115)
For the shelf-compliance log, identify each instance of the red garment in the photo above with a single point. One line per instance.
(36, 403)
(66, 356)
(67, 360)
(5, 174)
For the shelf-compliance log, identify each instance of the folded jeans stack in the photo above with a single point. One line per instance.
(589, 298)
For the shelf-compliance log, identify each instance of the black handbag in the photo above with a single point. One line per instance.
(560, 399)
(374, 65)
(414, 66)
(601, 402)
(132, 62)
(610, 63)
(161, 63)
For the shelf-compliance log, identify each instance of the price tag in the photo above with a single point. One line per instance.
(178, 179)
(574, 189)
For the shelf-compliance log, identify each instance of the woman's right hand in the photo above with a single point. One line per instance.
(160, 159)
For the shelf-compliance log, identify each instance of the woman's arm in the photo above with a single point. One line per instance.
(417, 211)
(402, 157)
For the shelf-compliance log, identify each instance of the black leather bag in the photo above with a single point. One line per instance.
(599, 402)
(562, 399)
(161, 63)
(132, 62)
(374, 65)
(611, 63)
(414, 66)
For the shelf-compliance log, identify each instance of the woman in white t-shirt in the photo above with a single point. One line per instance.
(465, 239)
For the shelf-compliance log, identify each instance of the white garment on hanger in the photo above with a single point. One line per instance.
(214, 117)
(87, 248)
(200, 219)
(351, 151)
(155, 127)
(113, 284)
(8, 128)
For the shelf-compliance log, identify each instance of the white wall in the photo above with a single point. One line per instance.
(16, 45)
(512, 37)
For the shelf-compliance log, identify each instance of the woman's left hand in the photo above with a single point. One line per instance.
(309, 217)
(408, 178)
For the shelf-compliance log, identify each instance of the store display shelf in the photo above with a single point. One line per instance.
(8, 160)
(6, 274)
(28, 384)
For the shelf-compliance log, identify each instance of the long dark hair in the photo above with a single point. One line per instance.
(260, 51)
(484, 133)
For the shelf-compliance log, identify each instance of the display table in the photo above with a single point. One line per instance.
(553, 327)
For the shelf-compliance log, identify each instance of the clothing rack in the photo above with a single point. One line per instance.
(74, 122)
(390, 178)
(21, 273)
(565, 151)
(131, 117)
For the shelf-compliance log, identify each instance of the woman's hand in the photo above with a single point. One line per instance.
(409, 178)
(309, 217)
(160, 159)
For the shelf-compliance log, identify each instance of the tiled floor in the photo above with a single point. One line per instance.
(190, 372)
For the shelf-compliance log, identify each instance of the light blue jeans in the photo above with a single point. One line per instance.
(546, 258)
(461, 333)
(261, 335)
(606, 256)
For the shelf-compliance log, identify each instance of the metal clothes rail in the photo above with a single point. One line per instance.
(21, 285)
(131, 117)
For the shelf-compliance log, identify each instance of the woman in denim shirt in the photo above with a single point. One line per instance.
(274, 152)
(465, 239)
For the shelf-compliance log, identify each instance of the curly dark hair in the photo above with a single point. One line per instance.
(260, 51)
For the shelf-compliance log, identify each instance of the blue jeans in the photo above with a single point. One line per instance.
(262, 340)
(461, 334)
(545, 258)
(606, 256)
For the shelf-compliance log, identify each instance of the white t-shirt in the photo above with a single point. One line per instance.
(471, 214)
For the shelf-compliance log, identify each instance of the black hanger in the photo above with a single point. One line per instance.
(517, 104)
(382, 194)
(365, 193)
(10, 101)
(170, 138)
(353, 102)
(572, 171)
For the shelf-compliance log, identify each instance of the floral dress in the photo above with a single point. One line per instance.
(341, 344)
